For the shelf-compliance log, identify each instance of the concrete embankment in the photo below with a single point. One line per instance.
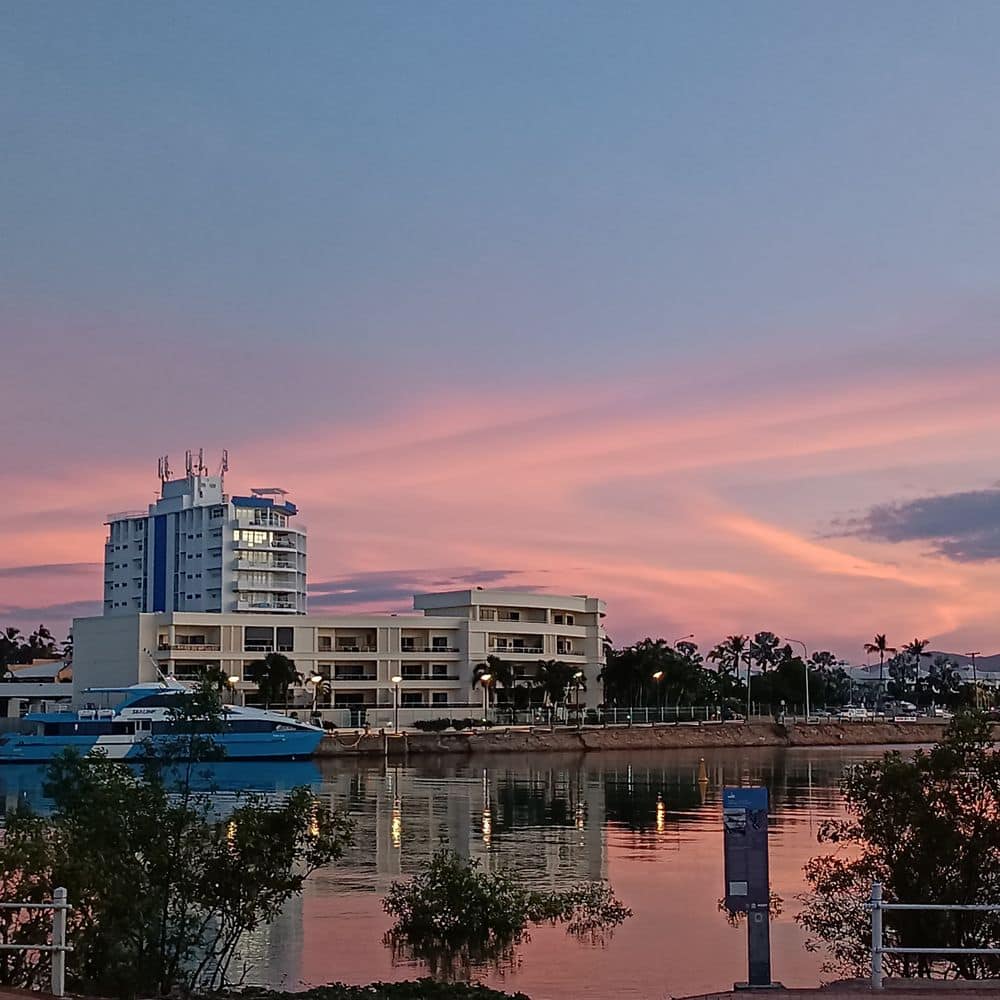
(660, 737)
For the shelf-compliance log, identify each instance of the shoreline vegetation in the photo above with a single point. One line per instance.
(666, 736)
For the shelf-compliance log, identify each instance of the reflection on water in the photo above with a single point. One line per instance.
(650, 822)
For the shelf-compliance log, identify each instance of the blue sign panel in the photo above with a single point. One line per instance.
(744, 824)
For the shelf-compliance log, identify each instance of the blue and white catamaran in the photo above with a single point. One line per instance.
(147, 717)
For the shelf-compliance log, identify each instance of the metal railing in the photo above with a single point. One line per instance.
(58, 947)
(877, 906)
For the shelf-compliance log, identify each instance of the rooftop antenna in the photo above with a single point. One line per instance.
(224, 464)
(202, 468)
(163, 468)
(188, 464)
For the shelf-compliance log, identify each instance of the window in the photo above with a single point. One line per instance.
(407, 644)
(439, 670)
(347, 643)
(439, 698)
(518, 643)
(569, 619)
(439, 642)
(513, 616)
(411, 671)
(411, 697)
(557, 619)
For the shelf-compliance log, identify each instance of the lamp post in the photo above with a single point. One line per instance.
(975, 679)
(231, 681)
(315, 680)
(682, 638)
(658, 676)
(578, 680)
(396, 681)
(484, 681)
(805, 662)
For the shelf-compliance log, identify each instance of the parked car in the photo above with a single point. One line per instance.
(854, 713)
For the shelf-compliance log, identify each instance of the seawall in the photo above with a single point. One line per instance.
(658, 737)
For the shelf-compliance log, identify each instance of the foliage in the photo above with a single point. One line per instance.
(16, 650)
(163, 889)
(925, 826)
(553, 678)
(453, 915)
(274, 675)
(414, 989)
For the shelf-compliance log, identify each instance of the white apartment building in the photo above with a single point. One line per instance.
(196, 549)
(434, 652)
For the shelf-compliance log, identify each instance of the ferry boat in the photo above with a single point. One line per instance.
(145, 719)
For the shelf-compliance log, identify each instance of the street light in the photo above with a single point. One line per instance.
(315, 680)
(975, 681)
(231, 681)
(658, 676)
(396, 681)
(682, 638)
(484, 681)
(578, 678)
(805, 662)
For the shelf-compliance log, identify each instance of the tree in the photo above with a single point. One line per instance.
(552, 679)
(501, 672)
(727, 656)
(943, 684)
(765, 650)
(163, 888)
(914, 650)
(274, 675)
(880, 646)
(453, 915)
(924, 825)
(42, 644)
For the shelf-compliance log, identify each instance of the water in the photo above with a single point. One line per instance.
(642, 820)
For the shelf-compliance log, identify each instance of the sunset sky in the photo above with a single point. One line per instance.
(693, 307)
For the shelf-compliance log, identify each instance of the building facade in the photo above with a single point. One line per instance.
(199, 550)
(349, 661)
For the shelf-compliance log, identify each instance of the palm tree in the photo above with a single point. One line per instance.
(274, 675)
(501, 672)
(881, 647)
(915, 650)
(552, 678)
(727, 656)
(764, 650)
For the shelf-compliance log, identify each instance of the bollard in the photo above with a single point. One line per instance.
(876, 907)
(59, 942)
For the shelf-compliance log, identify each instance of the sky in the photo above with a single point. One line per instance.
(693, 307)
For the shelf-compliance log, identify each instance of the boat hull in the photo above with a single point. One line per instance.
(284, 745)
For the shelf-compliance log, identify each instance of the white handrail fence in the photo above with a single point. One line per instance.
(58, 947)
(877, 906)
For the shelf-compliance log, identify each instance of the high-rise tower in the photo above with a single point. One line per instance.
(198, 549)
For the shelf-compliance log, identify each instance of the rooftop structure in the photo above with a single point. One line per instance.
(197, 549)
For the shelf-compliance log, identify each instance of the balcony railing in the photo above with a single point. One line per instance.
(428, 649)
(264, 606)
(535, 650)
(350, 649)
(430, 677)
(355, 677)
(190, 647)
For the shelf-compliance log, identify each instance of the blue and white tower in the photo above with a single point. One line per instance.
(198, 549)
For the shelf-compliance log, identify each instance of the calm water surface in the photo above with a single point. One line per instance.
(642, 820)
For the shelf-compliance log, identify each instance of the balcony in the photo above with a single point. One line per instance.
(340, 676)
(351, 649)
(256, 567)
(282, 586)
(280, 606)
(188, 647)
(429, 649)
(507, 650)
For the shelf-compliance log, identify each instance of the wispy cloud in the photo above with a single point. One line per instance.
(964, 527)
(392, 590)
(47, 569)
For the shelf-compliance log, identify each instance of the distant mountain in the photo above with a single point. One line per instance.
(984, 664)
